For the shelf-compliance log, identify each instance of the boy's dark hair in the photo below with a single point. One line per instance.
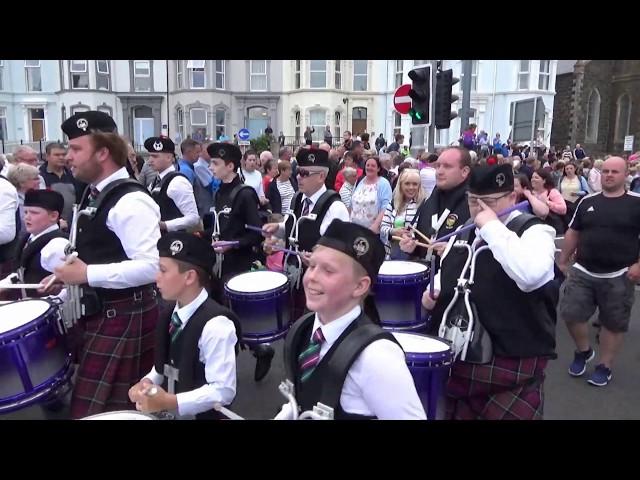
(204, 279)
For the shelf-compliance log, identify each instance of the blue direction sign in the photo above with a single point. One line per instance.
(243, 134)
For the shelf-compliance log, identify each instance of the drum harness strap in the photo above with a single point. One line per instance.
(74, 308)
(464, 326)
(294, 272)
(467, 332)
(215, 236)
(345, 355)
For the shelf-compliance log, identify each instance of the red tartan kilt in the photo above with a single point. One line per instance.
(115, 354)
(506, 388)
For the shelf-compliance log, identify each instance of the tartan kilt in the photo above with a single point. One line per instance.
(505, 389)
(116, 353)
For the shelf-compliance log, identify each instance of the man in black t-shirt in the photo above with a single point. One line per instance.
(605, 229)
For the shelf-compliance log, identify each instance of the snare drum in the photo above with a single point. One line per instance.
(35, 363)
(121, 415)
(398, 295)
(261, 300)
(429, 361)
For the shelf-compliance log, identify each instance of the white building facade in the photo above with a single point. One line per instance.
(209, 98)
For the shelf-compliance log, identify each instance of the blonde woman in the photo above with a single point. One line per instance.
(401, 212)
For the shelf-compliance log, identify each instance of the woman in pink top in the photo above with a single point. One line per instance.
(542, 186)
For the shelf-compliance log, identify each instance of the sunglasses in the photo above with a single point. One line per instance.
(304, 173)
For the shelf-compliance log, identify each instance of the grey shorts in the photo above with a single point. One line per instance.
(580, 294)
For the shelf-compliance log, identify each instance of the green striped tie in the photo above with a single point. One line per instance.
(308, 359)
(175, 326)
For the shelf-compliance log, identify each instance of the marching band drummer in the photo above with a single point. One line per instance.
(313, 197)
(513, 294)
(196, 342)
(242, 210)
(336, 355)
(41, 247)
(116, 267)
(171, 189)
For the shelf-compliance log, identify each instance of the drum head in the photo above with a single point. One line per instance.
(401, 267)
(16, 314)
(121, 415)
(254, 282)
(416, 343)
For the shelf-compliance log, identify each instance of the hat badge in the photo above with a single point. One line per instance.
(312, 158)
(157, 146)
(176, 247)
(360, 246)
(500, 179)
(221, 152)
(82, 124)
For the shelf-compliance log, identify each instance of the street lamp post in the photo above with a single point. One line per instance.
(345, 101)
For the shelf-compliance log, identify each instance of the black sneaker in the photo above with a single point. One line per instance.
(264, 354)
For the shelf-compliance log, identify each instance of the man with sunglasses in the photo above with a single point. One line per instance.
(513, 296)
(318, 205)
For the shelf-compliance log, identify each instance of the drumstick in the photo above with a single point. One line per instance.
(150, 391)
(285, 250)
(225, 243)
(501, 213)
(70, 258)
(255, 229)
(424, 237)
(432, 276)
(417, 243)
(226, 412)
(11, 286)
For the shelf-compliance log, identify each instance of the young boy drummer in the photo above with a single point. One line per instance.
(196, 342)
(41, 248)
(336, 355)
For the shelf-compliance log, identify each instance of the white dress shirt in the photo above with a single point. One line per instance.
(217, 353)
(336, 210)
(8, 206)
(378, 383)
(255, 180)
(528, 260)
(135, 220)
(52, 254)
(180, 191)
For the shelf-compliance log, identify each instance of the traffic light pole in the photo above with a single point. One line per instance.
(466, 95)
(432, 123)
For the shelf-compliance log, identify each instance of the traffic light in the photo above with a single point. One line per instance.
(420, 95)
(444, 98)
